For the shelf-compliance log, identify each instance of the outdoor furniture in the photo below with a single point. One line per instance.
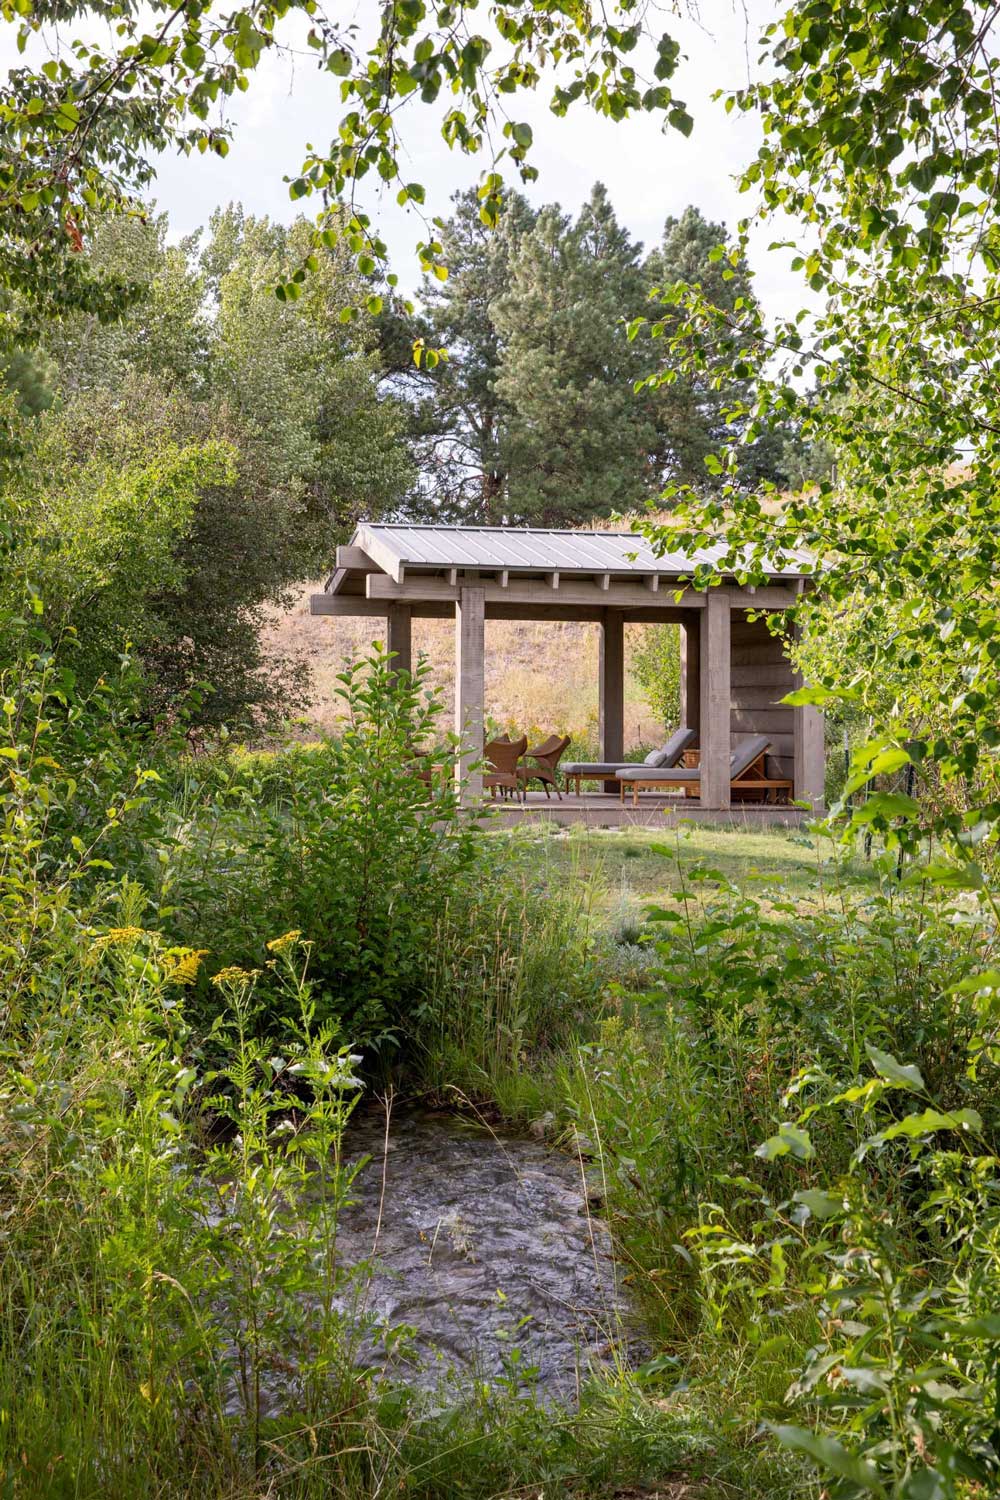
(748, 777)
(542, 763)
(735, 675)
(579, 770)
(501, 758)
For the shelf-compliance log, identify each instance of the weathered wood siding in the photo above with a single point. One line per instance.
(761, 675)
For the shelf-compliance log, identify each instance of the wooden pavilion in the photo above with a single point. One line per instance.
(733, 670)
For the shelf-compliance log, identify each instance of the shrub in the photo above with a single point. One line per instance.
(352, 847)
(899, 1268)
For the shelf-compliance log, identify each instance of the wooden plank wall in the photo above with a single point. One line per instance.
(761, 675)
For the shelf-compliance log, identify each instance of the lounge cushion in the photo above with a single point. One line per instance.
(681, 739)
(658, 773)
(593, 767)
(745, 753)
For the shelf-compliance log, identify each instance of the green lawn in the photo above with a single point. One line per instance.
(629, 866)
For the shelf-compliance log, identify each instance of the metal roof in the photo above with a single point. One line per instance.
(533, 550)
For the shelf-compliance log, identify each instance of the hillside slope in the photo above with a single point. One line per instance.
(539, 676)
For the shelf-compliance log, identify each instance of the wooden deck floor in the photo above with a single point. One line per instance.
(605, 810)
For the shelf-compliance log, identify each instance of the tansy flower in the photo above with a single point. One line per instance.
(234, 975)
(181, 965)
(117, 937)
(282, 944)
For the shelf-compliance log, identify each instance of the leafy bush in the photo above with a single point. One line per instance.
(361, 848)
(899, 1267)
(656, 666)
(842, 1268)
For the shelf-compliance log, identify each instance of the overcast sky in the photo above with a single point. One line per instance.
(649, 174)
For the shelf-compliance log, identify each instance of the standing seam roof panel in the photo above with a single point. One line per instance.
(542, 550)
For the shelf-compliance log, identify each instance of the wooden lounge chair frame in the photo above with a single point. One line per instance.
(605, 771)
(753, 778)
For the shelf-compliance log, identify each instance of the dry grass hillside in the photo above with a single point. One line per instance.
(539, 676)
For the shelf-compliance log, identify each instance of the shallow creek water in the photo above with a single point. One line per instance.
(467, 1214)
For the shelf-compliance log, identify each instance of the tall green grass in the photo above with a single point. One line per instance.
(516, 977)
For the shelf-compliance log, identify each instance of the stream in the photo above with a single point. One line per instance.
(485, 1247)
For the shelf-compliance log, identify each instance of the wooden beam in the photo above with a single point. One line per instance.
(356, 558)
(552, 579)
(809, 751)
(346, 604)
(605, 581)
(652, 582)
(611, 708)
(690, 705)
(770, 597)
(715, 701)
(619, 595)
(399, 637)
(382, 555)
(470, 646)
(584, 614)
(503, 577)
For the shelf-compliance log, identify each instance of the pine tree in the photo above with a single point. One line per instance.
(690, 415)
(459, 420)
(579, 444)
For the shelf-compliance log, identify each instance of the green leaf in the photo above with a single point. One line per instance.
(819, 696)
(967, 876)
(925, 1484)
(821, 1205)
(930, 1120)
(889, 760)
(887, 805)
(830, 1456)
(790, 1141)
(977, 984)
(901, 1076)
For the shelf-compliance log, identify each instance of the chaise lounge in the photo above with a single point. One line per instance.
(747, 775)
(605, 770)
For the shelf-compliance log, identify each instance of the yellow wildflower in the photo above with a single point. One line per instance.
(181, 965)
(117, 937)
(234, 975)
(282, 944)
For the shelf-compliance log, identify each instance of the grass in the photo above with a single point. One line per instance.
(623, 866)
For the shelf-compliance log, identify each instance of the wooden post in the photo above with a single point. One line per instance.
(716, 697)
(690, 706)
(810, 756)
(398, 637)
(470, 645)
(611, 709)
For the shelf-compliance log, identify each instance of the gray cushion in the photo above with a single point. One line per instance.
(658, 773)
(746, 752)
(593, 767)
(682, 739)
(656, 758)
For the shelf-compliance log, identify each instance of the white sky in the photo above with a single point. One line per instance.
(649, 174)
